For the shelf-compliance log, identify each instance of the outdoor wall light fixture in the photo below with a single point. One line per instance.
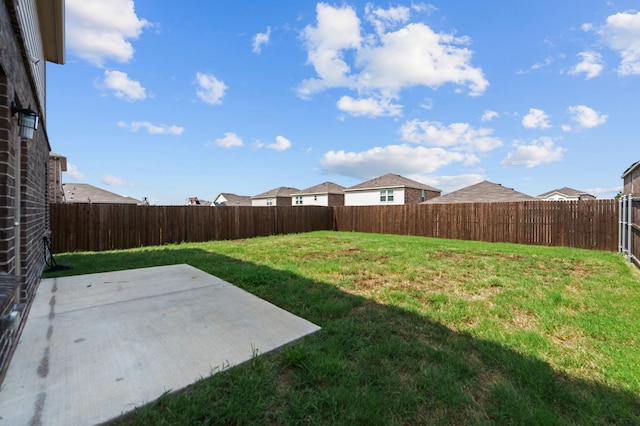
(27, 120)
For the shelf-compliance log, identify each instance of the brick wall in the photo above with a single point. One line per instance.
(632, 183)
(21, 259)
(414, 196)
(283, 201)
(8, 282)
(55, 179)
(7, 183)
(35, 211)
(335, 199)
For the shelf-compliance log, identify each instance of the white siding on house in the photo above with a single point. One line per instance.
(312, 200)
(372, 197)
(556, 196)
(262, 202)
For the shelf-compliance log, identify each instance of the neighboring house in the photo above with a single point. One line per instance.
(82, 193)
(325, 194)
(389, 189)
(631, 178)
(57, 165)
(565, 194)
(195, 201)
(483, 192)
(228, 199)
(275, 197)
(31, 35)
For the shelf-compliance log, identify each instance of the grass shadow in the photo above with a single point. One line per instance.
(370, 364)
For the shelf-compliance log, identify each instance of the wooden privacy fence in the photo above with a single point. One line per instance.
(580, 224)
(98, 227)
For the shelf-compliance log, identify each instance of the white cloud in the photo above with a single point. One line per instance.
(586, 27)
(547, 61)
(591, 65)
(261, 39)
(417, 56)
(586, 117)
(281, 144)
(489, 115)
(337, 29)
(621, 32)
(457, 136)
(230, 140)
(98, 30)
(449, 183)
(123, 86)
(427, 104)
(369, 107)
(401, 159)
(538, 65)
(152, 129)
(600, 191)
(536, 119)
(112, 180)
(211, 90)
(384, 62)
(424, 7)
(73, 172)
(540, 151)
(383, 19)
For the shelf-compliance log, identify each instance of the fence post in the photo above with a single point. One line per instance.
(620, 225)
(629, 222)
(625, 225)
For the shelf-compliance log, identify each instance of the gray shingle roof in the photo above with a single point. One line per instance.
(323, 188)
(85, 193)
(282, 191)
(483, 192)
(566, 191)
(391, 181)
(234, 200)
(630, 169)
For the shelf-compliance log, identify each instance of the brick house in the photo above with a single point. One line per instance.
(57, 165)
(631, 179)
(389, 189)
(275, 197)
(31, 34)
(324, 194)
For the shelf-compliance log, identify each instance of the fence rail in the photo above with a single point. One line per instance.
(98, 227)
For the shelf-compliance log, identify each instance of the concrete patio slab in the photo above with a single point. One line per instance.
(96, 346)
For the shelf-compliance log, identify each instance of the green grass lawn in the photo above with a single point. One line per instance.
(415, 331)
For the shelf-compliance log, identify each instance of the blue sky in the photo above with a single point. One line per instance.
(168, 102)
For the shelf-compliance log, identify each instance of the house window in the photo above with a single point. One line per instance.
(298, 200)
(269, 201)
(386, 195)
(315, 198)
(423, 195)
